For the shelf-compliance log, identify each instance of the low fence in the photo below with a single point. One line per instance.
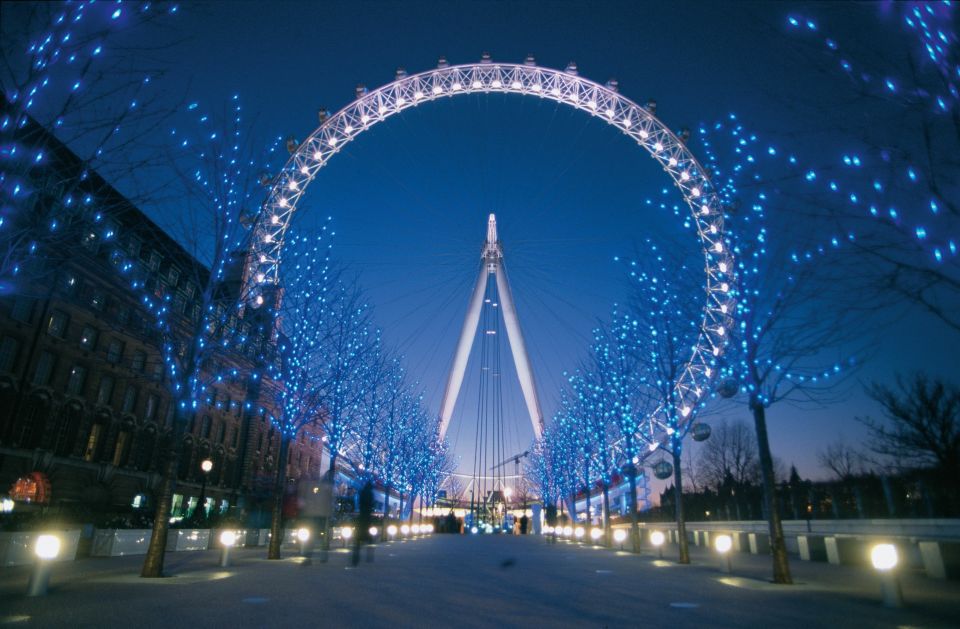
(931, 545)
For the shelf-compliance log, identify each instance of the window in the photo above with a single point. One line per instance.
(123, 315)
(157, 375)
(221, 428)
(139, 361)
(41, 376)
(98, 300)
(78, 375)
(115, 351)
(70, 283)
(173, 276)
(236, 437)
(133, 247)
(190, 290)
(57, 324)
(129, 399)
(22, 309)
(154, 261)
(105, 390)
(91, 450)
(88, 339)
(205, 427)
(150, 413)
(8, 353)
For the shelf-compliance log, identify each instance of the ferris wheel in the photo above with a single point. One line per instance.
(566, 87)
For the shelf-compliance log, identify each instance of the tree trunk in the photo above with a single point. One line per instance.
(153, 562)
(678, 497)
(607, 539)
(332, 478)
(279, 488)
(634, 524)
(778, 548)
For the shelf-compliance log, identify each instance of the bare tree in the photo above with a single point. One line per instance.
(730, 454)
(842, 459)
(922, 427)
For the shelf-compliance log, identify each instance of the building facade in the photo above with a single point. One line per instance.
(86, 410)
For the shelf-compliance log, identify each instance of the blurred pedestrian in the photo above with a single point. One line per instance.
(364, 522)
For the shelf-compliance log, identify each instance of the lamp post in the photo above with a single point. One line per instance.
(884, 558)
(657, 539)
(619, 536)
(205, 466)
(723, 544)
(228, 540)
(47, 548)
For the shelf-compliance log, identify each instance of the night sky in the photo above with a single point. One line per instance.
(410, 197)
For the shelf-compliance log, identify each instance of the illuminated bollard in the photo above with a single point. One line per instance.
(228, 539)
(373, 532)
(303, 536)
(578, 533)
(47, 547)
(345, 534)
(595, 535)
(620, 536)
(884, 559)
(657, 539)
(723, 544)
(391, 532)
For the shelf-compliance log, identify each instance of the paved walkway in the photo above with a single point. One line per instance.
(479, 581)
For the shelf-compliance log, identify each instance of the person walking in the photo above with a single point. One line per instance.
(364, 521)
(551, 518)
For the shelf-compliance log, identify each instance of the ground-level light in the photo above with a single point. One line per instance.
(620, 536)
(596, 534)
(346, 533)
(303, 534)
(392, 531)
(474, 530)
(373, 531)
(547, 530)
(885, 559)
(657, 538)
(567, 531)
(415, 529)
(723, 544)
(228, 539)
(579, 532)
(46, 548)
(405, 530)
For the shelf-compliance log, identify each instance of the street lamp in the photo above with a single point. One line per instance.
(345, 534)
(205, 466)
(657, 539)
(46, 548)
(885, 559)
(723, 544)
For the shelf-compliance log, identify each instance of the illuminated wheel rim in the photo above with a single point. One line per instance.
(565, 87)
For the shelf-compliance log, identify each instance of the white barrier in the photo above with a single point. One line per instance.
(16, 549)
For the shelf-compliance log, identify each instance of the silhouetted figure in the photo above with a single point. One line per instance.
(364, 521)
(452, 526)
(551, 517)
(524, 522)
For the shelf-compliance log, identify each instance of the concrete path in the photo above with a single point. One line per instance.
(479, 581)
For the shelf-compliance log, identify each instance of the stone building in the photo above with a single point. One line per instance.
(85, 409)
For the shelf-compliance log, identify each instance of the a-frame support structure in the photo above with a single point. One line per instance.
(492, 264)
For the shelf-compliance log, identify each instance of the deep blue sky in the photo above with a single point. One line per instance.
(410, 198)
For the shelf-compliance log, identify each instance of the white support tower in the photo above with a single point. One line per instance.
(492, 264)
